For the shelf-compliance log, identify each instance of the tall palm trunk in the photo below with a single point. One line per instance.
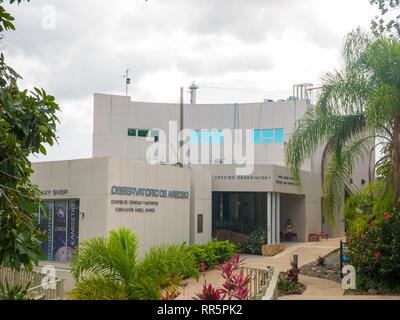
(396, 159)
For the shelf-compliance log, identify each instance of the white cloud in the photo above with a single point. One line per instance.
(252, 49)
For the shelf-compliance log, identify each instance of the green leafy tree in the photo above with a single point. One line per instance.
(27, 122)
(357, 106)
(391, 26)
(110, 269)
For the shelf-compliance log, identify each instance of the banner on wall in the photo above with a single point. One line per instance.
(62, 229)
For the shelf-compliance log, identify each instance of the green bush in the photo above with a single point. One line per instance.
(111, 269)
(255, 242)
(213, 253)
(375, 253)
(363, 205)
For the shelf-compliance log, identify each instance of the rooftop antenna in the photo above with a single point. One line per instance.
(193, 88)
(127, 80)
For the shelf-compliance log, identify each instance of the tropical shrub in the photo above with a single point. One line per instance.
(288, 282)
(255, 242)
(13, 293)
(320, 261)
(235, 286)
(363, 206)
(110, 269)
(375, 253)
(213, 253)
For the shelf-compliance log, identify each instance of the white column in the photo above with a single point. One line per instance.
(269, 219)
(278, 218)
(273, 222)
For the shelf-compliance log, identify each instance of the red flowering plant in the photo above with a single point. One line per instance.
(292, 275)
(288, 282)
(234, 286)
(375, 254)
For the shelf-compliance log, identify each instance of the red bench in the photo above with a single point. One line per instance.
(318, 236)
(289, 235)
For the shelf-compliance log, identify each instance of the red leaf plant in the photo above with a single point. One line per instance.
(234, 287)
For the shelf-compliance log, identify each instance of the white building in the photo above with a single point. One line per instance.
(169, 204)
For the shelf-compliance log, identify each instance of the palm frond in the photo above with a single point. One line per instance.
(167, 263)
(354, 47)
(99, 287)
(97, 256)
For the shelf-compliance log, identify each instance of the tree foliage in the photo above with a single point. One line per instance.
(380, 25)
(357, 106)
(27, 122)
(110, 269)
(375, 253)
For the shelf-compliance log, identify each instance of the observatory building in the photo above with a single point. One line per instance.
(164, 199)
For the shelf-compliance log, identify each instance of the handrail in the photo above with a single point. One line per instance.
(259, 280)
(35, 281)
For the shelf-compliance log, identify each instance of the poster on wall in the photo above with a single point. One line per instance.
(61, 227)
(60, 251)
(72, 228)
(46, 228)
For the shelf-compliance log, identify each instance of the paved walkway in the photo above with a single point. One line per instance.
(307, 252)
(317, 288)
(321, 289)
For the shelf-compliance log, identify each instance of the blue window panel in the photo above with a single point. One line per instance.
(268, 134)
(194, 137)
(205, 137)
(257, 136)
(279, 136)
(216, 137)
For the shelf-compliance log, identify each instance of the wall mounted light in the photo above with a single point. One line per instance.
(82, 214)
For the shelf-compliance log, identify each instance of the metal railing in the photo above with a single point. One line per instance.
(39, 288)
(260, 279)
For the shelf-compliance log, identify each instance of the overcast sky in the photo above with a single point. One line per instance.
(235, 50)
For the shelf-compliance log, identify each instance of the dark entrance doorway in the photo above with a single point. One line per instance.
(242, 212)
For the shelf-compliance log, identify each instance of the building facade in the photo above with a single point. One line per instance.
(238, 182)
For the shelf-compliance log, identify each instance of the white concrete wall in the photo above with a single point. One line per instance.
(114, 115)
(201, 203)
(91, 182)
(85, 180)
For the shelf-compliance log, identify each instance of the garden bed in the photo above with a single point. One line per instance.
(329, 271)
(370, 292)
(287, 288)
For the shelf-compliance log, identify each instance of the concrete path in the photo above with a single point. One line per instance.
(321, 289)
(317, 288)
(307, 252)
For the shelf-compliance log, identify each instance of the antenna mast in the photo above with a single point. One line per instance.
(127, 80)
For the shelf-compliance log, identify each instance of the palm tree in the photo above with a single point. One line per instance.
(358, 109)
(110, 269)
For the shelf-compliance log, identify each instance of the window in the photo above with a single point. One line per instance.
(268, 136)
(206, 137)
(200, 223)
(144, 133)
